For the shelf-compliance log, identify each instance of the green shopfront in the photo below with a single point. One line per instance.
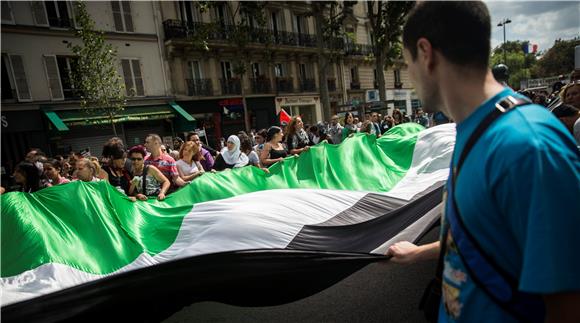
(80, 130)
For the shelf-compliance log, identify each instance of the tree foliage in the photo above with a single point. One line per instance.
(557, 60)
(386, 20)
(519, 64)
(95, 75)
(329, 18)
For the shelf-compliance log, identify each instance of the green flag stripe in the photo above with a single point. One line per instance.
(92, 227)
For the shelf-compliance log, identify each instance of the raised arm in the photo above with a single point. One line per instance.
(156, 173)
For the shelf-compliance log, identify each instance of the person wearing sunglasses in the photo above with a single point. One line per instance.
(147, 179)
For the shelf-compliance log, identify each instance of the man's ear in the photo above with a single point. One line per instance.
(425, 53)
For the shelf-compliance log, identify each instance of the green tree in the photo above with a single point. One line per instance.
(329, 17)
(519, 63)
(386, 21)
(95, 74)
(557, 60)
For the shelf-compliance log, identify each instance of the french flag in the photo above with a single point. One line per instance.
(529, 48)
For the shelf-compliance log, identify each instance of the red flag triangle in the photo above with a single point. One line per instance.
(284, 117)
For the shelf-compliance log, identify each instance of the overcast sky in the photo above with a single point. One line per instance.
(540, 22)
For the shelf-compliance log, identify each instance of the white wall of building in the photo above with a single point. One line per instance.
(33, 44)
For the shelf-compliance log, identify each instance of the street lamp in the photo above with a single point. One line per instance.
(502, 24)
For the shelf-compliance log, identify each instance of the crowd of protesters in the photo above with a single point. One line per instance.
(153, 171)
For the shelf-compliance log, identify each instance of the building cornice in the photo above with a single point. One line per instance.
(75, 105)
(59, 32)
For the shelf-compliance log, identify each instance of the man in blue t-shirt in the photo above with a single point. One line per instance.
(518, 189)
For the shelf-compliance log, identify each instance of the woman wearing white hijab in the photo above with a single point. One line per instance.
(231, 156)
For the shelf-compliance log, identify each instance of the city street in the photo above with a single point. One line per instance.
(377, 293)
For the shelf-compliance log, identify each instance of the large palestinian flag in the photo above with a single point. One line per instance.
(83, 251)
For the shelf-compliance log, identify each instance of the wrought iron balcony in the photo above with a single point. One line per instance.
(199, 87)
(307, 85)
(178, 29)
(231, 86)
(355, 85)
(357, 49)
(261, 85)
(284, 85)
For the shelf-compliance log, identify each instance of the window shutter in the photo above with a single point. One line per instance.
(39, 13)
(22, 89)
(127, 15)
(138, 77)
(53, 76)
(117, 15)
(128, 76)
(7, 13)
(74, 13)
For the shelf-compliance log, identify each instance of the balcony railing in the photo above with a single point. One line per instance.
(355, 85)
(231, 86)
(284, 84)
(331, 82)
(199, 87)
(307, 85)
(261, 85)
(357, 49)
(178, 29)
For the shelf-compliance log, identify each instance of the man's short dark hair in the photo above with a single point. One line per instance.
(460, 30)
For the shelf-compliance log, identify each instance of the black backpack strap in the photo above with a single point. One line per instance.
(501, 107)
(523, 306)
(144, 179)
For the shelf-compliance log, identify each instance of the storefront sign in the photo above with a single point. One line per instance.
(299, 101)
(228, 102)
(372, 95)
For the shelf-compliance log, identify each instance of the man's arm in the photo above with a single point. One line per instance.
(405, 252)
(562, 307)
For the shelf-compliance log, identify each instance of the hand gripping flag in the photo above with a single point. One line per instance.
(85, 252)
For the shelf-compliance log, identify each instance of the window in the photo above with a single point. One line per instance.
(279, 70)
(14, 81)
(354, 74)
(189, 11)
(398, 83)
(221, 14)
(133, 77)
(20, 82)
(277, 21)
(59, 71)
(52, 13)
(300, 24)
(415, 104)
(58, 14)
(8, 91)
(193, 70)
(7, 16)
(226, 70)
(122, 16)
(256, 71)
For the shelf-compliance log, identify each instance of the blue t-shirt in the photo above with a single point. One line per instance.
(518, 193)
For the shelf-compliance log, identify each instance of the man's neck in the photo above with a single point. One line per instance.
(156, 153)
(462, 94)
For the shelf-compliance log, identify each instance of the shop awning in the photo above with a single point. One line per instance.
(63, 118)
(181, 112)
(56, 121)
